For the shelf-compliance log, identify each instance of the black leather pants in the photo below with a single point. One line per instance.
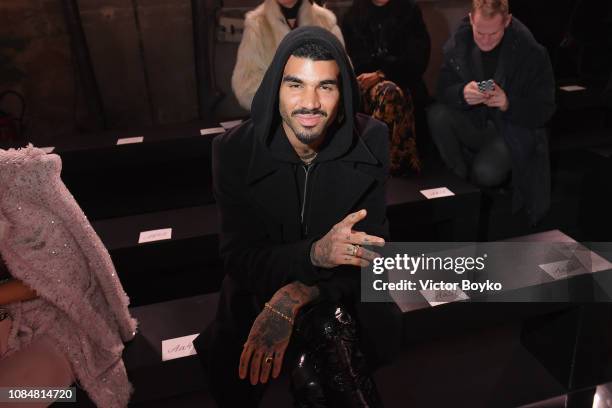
(330, 370)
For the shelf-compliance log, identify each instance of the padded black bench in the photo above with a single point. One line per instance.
(185, 265)
(482, 355)
(568, 339)
(413, 217)
(156, 379)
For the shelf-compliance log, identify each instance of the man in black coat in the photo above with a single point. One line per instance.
(389, 37)
(498, 126)
(301, 190)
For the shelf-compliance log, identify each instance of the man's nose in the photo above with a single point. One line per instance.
(311, 99)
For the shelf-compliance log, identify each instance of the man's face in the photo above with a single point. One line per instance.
(309, 98)
(287, 3)
(488, 32)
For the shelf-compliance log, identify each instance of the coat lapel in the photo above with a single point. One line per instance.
(338, 188)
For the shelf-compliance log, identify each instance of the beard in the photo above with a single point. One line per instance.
(306, 136)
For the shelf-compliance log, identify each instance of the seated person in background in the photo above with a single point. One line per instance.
(483, 132)
(299, 188)
(264, 28)
(389, 46)
(63, 312)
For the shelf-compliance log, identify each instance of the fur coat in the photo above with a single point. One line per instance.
(264, 28)
(47, 242)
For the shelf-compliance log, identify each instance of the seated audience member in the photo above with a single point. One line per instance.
(63, 312)
(389, 46)
(484, 130)
(300, 187)
(264, 28)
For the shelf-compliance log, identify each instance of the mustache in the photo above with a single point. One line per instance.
(305, 111)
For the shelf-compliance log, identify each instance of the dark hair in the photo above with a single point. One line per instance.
(313, 51)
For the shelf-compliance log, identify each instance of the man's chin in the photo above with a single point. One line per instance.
(307, 138)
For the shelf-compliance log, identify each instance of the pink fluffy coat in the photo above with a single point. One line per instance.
(47, 242)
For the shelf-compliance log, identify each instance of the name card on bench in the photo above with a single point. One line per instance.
(48, 149)
(572, 88)
(437, 193)
(178, 347)
(155, 235)
(230, 124)
(441, 297)
(211, 131)
(130, 140)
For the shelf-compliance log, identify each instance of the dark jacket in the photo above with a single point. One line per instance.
(263, 244)
(398, 43)
(525, 73)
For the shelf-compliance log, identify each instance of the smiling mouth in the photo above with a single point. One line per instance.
(309, 120)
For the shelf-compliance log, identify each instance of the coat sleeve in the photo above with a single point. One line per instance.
(449, 89)
(249, 253)
(532, 103)
(250, 64)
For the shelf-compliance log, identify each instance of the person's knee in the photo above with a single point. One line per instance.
(437, 113)
(328, 321)
(440, 118)
(488, 174)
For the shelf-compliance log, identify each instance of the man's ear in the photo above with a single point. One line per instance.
(471, 20)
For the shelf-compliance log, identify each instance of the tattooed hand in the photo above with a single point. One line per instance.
(271, 332)
(340, 246)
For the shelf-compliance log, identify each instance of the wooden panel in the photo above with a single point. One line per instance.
(167, 35)
(113, 41)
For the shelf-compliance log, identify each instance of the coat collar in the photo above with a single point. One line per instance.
(275, 17)
(262, 162)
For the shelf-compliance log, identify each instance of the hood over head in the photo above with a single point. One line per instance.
(265, 108)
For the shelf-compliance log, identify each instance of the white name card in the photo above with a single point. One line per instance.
(155, 235)
(211, 131)
(440, 297)
(48, 149)
(230, 124)
(563, 269)
(130, 140)
(572, 88)
(437, 193)
(178, 347)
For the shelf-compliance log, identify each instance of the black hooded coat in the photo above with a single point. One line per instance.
(263, 242)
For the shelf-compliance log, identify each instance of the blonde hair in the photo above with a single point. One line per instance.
(490, 8)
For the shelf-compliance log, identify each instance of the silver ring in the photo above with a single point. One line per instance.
(355, 249)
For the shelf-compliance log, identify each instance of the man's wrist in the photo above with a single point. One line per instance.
(313, 254)
(506, 106)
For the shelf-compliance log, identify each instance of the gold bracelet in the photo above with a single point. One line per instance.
(281, 314)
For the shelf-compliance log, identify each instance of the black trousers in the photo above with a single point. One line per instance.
(324, 360)
(480, 155)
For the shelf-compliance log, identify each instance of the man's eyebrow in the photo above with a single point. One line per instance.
(291, 78)
(329, 82)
